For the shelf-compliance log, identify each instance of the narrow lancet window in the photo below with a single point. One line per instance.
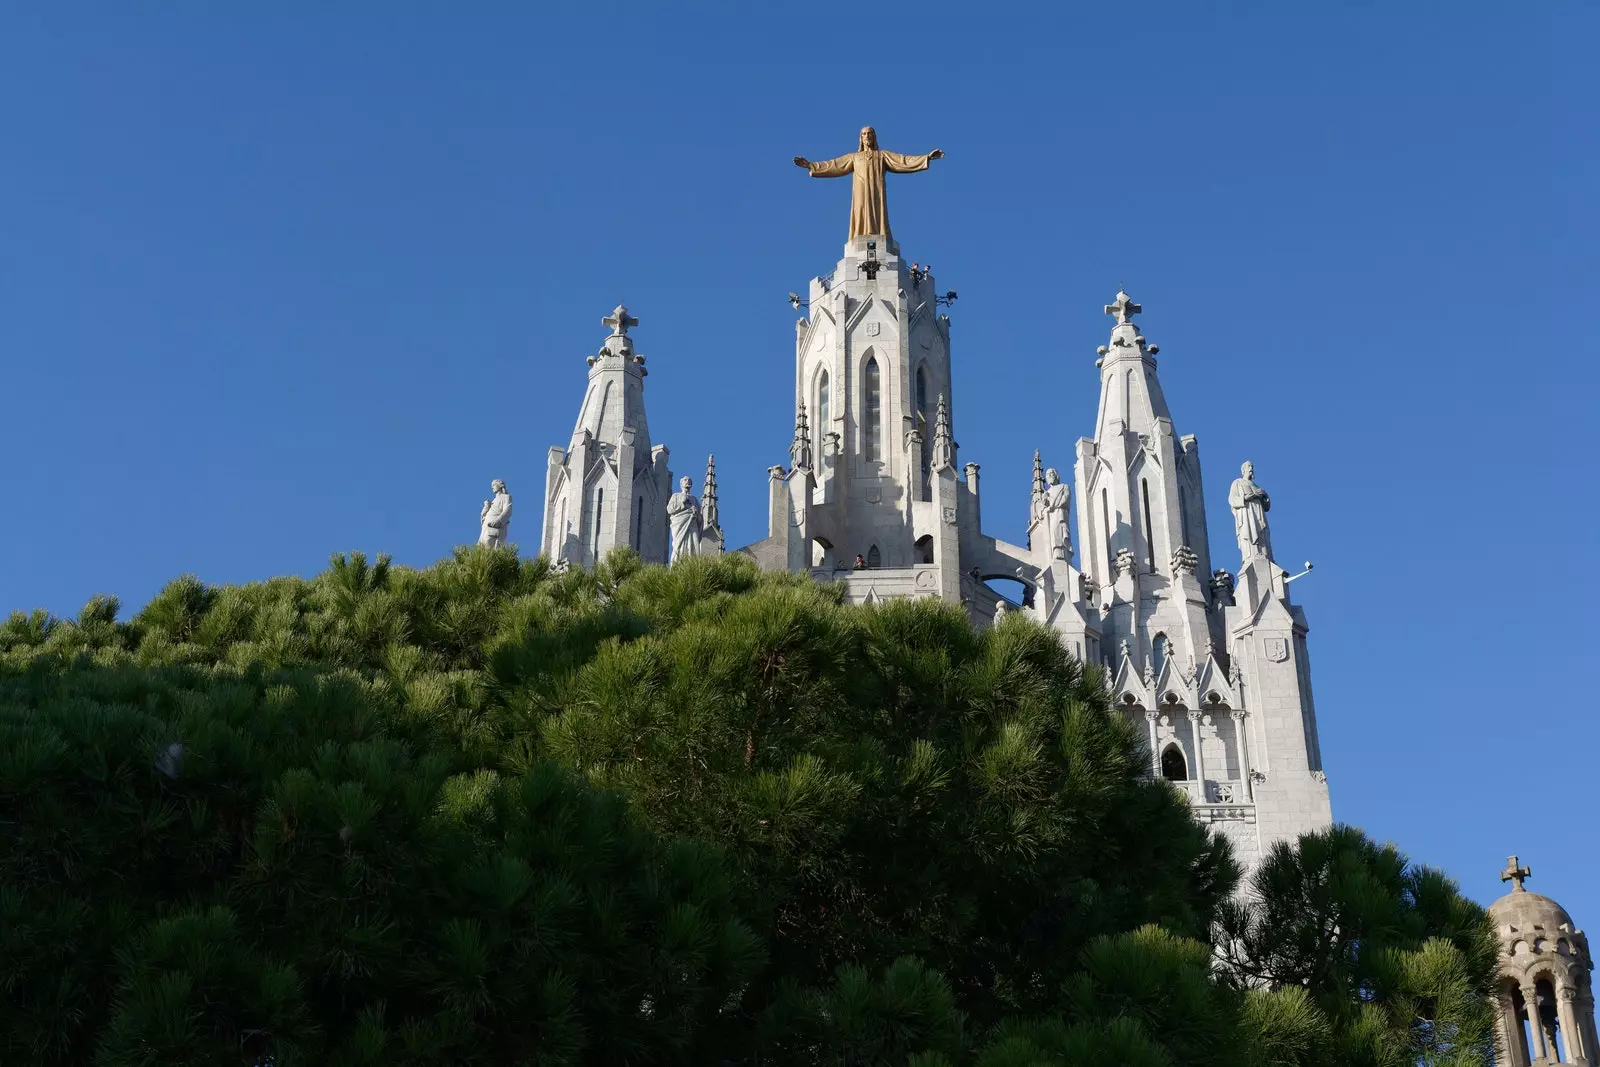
(927, 438)
(1149, 534)
(1174, 768)
(599, 513)
(872, 415)
(823, 410)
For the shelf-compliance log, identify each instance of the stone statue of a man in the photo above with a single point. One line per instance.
(495, 518)
(1057, 495)
(1250, 505)
(683, 517)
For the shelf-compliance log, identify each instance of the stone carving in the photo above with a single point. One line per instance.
(867, 165)
(1124, 562)
(1250, 506)
(1222, 588)
(1277, 648)
(1056, 498)
(1184, 560)
(1123, 308)
(560, 566)
(685, 520)
(1224, 792)
(944, 448)
(1320, 777)
(1088, 588)
(494, 521)
(800, 449)
(1001, 609)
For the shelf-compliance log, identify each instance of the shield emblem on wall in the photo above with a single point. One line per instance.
(1277, 649)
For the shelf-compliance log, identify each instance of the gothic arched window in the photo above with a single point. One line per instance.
(872, 415)
(873, 559)
(927, 437)
(823, 410)
(1158, 653)
(599, 511)
(1174, 768)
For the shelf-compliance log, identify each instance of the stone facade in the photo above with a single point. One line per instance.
(1212, 665)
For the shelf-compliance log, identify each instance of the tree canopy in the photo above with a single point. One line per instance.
(488, 813)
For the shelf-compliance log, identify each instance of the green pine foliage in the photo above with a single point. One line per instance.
(487, 813)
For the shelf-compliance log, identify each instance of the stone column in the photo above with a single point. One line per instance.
(1199, 754)
(1567, 1019)
(1511, 1032)
(1155, 754)
(1243, 751)
(1530, 998)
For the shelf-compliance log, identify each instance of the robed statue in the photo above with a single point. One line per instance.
(869, 207)
(1056, 498)
(684, 521)
(494, 520)
(1250, 505)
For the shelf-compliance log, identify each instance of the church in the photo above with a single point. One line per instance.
(1208, 656)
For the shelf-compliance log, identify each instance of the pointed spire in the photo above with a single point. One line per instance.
(944, 447)
(708, 502)
(708, 498)
(800, 450)
(1036, 500)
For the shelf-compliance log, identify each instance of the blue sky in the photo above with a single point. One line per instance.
(281, 285)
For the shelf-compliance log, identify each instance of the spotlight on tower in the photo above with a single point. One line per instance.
(796, 303)
(946, 300)
(1302, 574)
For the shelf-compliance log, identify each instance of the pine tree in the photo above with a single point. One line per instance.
(486, 813)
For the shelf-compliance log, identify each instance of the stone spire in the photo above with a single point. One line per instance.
(608, 488)
(708, 506)
(944, 446)
(800, 448)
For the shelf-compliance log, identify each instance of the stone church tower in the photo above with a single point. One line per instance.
(1213, 667)
(1546, 995)
(609, 487)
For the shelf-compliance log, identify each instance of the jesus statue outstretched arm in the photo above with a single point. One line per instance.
(900, 163)
(828, 168)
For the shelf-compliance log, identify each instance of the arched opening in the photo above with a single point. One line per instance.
(638, 526)
(926, 483)
(925, 548)
(819, 551)
(1555, 1038)
(1158, 653)
(872, 415)
(823, 408)
(1174, 768)
(1011, 589)
(873, 558)
(599, 514)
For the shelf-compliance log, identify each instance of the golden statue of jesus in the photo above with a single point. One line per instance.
(869, 206)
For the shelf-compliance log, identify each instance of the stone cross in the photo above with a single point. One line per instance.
(1515, 874)
(619, 320)
(1123, 308)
